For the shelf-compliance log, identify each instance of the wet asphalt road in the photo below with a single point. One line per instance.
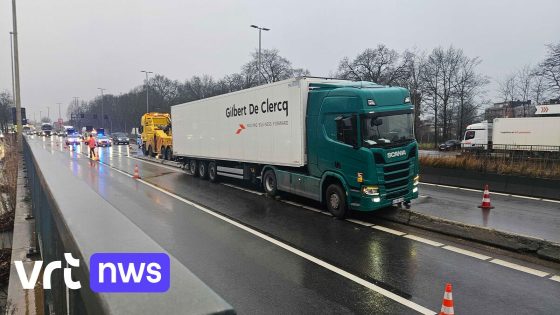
(511, 214)
(256, 276)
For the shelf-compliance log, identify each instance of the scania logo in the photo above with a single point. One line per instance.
(396, 154)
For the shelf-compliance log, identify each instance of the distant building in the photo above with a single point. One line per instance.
(510, 109)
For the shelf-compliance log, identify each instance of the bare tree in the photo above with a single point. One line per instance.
(469, 86)
(525, 78)
(539, 90)
(507, 87)
(165, 88)
(415, 67)
(381, 65)
(440, 78)
(550, 68)
(6, 103)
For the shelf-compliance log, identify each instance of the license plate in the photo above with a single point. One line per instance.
(398, 200)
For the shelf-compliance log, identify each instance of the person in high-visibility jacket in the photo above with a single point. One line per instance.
(91, 144)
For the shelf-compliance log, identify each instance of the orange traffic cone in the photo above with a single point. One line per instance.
(486, 199)
(136, 175)
(447, 304)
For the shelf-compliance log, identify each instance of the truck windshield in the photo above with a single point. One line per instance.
(386, 129)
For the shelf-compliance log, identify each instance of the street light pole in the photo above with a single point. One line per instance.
(16, 74)
(147, 90)
(59, 116)
(259, 62)
(102, 101)
(13, 80)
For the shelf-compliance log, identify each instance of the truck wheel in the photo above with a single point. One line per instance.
(336, 200)
(168, 154)
(193, 167)
(162, 153)
(269, 183)
(212, 172)
(144, 150)
(203, 169)
(150, 151)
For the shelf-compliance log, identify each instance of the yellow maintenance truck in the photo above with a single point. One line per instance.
(155, 129)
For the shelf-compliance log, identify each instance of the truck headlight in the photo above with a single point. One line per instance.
(407, 100)
(370, 190)
(416, 180)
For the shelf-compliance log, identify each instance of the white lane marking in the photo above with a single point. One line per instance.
(492, 193)
(176, 169)
(388, 230)
(346, 274)
(241, 188)
(519, 267)
(466, 252)
(468, 189)
(301, 206)
(550, 200)
(555, 278)
(423, 240)
(359, 222)
(526, 197)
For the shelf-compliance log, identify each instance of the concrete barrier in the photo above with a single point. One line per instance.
(69, 218)
(515, 242)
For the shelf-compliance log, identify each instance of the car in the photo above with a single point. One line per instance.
(73, 139)
(103, 141)
(450, 145)
(120, 138)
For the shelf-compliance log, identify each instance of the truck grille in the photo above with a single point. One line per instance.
(396, 178)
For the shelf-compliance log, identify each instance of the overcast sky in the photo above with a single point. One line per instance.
(71, 47)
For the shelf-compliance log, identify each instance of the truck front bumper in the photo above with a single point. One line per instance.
(361, 202)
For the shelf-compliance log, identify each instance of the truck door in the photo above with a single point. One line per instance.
(339, 151)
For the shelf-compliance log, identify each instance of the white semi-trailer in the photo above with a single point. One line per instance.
(348, 144)
(522, 134)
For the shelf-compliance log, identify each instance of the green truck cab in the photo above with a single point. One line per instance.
(360, 145)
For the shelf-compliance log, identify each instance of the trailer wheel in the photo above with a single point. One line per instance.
(193, 167)
(212, 172)
(163, 153)
(270, 184)
(203, 169)
(336, 200)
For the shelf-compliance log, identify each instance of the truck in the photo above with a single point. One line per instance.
(537, 134)
(156, 135)
(349, 145)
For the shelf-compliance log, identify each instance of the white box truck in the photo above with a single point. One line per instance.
(347, 144)
(521, 134)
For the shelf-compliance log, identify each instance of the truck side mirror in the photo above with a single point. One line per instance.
(141, 129)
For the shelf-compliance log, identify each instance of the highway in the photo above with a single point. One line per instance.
(285, 256)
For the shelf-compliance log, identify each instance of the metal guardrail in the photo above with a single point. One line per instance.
(70, 219)
(512, 148)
